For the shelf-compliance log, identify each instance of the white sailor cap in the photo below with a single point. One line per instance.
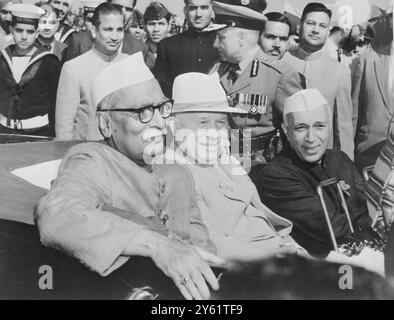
(304, 100)
(90, 5)
(26, 13)
(119, 75)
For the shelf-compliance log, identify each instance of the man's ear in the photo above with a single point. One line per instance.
(284, 128)
(93, 31)
(105, 124)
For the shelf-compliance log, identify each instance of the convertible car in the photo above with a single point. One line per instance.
(28, 164)
(21, 253)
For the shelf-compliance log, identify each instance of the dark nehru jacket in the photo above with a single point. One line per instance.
(287, 186)
(190, 51)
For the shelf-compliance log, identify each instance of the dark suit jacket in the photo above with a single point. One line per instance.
(288, 187)
(189, 51)
(82, 42)
(372, 100)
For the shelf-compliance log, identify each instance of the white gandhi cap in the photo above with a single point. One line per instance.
(304, 100)
(119, 75)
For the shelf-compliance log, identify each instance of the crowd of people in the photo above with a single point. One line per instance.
(203, 146)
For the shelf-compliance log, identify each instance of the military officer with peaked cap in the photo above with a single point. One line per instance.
(250, 77)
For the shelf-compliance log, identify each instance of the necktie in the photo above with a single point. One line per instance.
(234, 72)
(339, 52)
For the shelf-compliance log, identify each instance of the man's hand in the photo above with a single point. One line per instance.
(186, 267)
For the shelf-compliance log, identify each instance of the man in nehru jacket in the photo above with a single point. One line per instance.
(82, 42)
(75, 113)
(189, 51)
(275, 35)
(327, 75)
(108, 204)
(288, 184)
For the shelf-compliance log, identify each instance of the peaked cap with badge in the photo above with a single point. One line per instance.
(26, 13)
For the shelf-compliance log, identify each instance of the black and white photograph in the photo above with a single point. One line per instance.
(203, 150)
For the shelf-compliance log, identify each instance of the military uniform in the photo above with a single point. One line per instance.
(255, 83)
(264, 85)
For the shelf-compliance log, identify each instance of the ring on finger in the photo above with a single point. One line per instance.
(185, 280)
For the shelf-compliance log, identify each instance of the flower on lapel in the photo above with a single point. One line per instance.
(345, 187)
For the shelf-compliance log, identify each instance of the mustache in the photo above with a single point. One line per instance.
(152, 134)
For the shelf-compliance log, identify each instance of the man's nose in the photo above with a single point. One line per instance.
(157, 120)
(198, 12)
(115, 36)
(276, 42)
(216, 43)
(311, 135)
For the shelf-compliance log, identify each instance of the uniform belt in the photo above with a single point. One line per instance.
(32, 123)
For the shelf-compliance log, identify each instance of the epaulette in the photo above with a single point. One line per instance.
(279, 65)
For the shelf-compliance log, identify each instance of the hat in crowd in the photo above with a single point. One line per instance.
(5, 4)
(199, 92)
(26, 13)
(90, 5)
(117, 76)
(245, 14)
(138, 19)
(156, 11)
(48, 8)
(304, 100)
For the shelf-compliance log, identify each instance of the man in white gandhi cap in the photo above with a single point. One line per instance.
(288, 184)
(107, 204)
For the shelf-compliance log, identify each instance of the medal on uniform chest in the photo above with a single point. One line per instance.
(253, 103)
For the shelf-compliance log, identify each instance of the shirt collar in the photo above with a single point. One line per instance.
(302, 54)
(107, 58)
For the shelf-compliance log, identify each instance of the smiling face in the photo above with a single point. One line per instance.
(63, 6)
(314, 30)
(274, 38)
(198, 13)
(109, 34)
(202, 136)
(127, 133)
(308, 133)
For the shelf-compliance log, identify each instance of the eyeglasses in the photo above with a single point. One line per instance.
(145, 114)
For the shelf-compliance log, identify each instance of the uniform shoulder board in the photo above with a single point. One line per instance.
(279, 65)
